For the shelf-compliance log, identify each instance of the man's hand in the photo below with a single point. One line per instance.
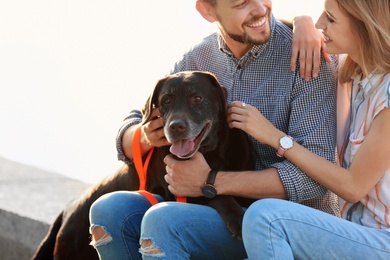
(308, 42)
(186, 178)
(152, 132)
(152, 135)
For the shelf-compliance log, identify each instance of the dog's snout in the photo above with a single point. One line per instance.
(178, 126)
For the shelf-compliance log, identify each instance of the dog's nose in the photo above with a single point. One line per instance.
(178, 126)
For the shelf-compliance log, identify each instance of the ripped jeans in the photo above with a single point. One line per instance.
(203, 235)
(119, 214)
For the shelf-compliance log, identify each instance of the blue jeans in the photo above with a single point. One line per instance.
(278, 229)
(189, 231)
(201, 233)
(272, 229)
(119, 214)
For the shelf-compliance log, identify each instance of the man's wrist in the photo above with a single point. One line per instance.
(120, 144)
(208, 189)
(145, 145)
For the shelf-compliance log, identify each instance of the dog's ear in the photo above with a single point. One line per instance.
(151, 102)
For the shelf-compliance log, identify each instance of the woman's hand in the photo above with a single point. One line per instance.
(308, 42)
(250, 120)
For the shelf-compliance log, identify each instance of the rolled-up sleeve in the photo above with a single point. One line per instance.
(312, 123)
(135, 117)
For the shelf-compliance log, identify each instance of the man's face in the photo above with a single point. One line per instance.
(245, 21)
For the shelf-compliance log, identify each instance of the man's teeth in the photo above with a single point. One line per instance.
(258, 23)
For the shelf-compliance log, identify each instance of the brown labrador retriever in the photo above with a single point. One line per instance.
(193, 108)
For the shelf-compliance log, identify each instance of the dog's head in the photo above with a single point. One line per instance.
(193, 107)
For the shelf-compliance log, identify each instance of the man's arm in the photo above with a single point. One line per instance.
(185, 178)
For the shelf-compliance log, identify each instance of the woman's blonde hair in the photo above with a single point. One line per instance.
(370, 20)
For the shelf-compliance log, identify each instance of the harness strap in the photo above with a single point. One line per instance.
(149, 196)
(142, 169)
(181, 199)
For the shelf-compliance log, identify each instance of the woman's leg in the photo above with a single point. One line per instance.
(278, 229)
(172, 230)
(115, 224)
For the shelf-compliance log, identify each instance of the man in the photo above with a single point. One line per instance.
(250, 56)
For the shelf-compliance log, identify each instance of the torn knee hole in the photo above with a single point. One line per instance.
(99, 236)
(148, 247)
(98, 233)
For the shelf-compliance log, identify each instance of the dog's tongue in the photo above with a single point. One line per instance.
(182, 147)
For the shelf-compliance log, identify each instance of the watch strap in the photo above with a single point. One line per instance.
(280, 152)
(211, 178)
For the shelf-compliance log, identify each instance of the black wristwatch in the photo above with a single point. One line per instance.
(208, 189)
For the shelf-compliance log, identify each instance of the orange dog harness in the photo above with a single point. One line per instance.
(142, 168)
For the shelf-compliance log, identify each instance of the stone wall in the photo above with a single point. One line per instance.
(19, 236)
(30, 200)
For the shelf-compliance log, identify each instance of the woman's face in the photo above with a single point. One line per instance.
(337, 31)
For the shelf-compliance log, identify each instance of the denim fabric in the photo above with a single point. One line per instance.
(204, 235)
(197, 232)
(119, 214)
(278, 229)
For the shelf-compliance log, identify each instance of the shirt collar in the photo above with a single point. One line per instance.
(368, 83)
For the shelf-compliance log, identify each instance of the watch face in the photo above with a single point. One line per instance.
(286, 142)
(209, 191)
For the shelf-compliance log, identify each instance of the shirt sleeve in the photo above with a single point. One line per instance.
(135, 117)
(382, 96)
(313, 125)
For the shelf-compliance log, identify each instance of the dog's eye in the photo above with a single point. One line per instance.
(167, 101)
(198, 99)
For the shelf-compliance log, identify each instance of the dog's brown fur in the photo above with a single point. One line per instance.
(185, 100)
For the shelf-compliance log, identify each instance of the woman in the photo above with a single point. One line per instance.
(278, 229)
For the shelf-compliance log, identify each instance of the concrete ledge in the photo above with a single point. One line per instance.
(19, 236)
(30, 200)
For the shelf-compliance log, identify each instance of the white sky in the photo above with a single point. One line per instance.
(70, 71)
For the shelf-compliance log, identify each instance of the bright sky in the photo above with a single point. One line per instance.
(70, 71)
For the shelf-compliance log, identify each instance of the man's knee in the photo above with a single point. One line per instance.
(148, 248)
(99, 236)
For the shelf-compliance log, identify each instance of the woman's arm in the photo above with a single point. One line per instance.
(307, 42)
(370, 163)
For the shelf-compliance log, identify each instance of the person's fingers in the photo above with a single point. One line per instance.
(167, 160)
(308, 65)
(294, 57)
(302, 63)
(316, 62)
